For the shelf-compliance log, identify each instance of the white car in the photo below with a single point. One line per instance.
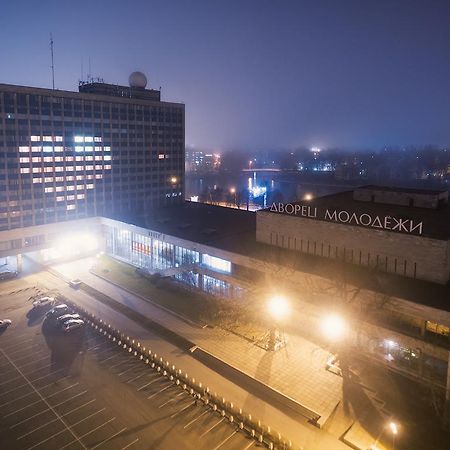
(66, 317)
(72, 324)
(57, 311)
(5, 323)
(44, 301)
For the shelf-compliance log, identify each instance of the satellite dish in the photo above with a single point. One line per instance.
(138, 80)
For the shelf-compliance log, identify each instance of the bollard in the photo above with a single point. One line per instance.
(231, 419)
(260, 438)
(270, 445)
(253, 433)
(214, 407)
(223, 413)
(146, 361)
(241, 425)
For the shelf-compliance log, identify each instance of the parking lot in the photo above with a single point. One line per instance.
(79, 390)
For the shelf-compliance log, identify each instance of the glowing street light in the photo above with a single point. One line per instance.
(308, 197)
(278, 307)
(394, 430)
(173, 180)
(233, 190)
(334, 327)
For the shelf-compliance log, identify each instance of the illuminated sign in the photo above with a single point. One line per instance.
(389, 223)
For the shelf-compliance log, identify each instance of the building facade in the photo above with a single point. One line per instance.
(404, 232)
(106, 150)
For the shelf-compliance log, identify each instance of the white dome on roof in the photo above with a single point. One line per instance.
(137, 79)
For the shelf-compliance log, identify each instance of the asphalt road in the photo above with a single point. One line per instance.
(78, 390)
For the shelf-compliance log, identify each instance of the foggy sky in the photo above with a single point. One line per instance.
(254, 74)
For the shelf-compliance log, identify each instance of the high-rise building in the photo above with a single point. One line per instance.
(106, 150)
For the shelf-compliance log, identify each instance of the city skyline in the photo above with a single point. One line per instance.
(353, 74)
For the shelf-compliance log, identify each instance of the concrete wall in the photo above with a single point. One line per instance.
(419, 200)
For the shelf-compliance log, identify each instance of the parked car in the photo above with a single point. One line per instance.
(75, 284)
(72, 324)
(8, 274)
(5, 323)
(66, 317)
(57, 311)
(44, 301)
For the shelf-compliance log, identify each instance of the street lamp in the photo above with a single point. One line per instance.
(394, 430)
(233, 191)
(278, 308)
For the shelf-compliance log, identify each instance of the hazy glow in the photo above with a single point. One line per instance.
(334, 327)
(278, 307)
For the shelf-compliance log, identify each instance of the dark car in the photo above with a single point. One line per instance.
(8, 275)
(72, 324)
(57, 311)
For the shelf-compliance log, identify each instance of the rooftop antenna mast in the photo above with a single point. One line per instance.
(53, 63)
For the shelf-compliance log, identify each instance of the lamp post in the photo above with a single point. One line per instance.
(233, 192)
(278, 308)
(394, 430)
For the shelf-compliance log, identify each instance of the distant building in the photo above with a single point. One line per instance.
(106, 150)
(200, 161)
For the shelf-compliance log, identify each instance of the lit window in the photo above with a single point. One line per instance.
(80, 196)
(47, 149)
(36, 149)
(107, 167)
(58, 148)
(70, 188)
(107, 158)
(79, 148)
(216, 263)
(37, 180)
(48, 189)
(59, 188)
(80, 177)
(59, 169)
(24, 149)
(70, 178)
(48, 158)
(79, 187)
(60, 198)
(36, 159)
(78, 139)
(98, 176)
(107, 149)
(79, 158)
(89, 148)
(47, 139)
(48, 179)
(48, 169)
(98, 149)
(160, 156)
(88, 139)
(97, 139)
(70, 197)
(25, 170)
(69, 168)
(58, 179)
(35, 138)
(89, 186)
(37, 170)
(89, 167)
(89, 158)
(24, 160)
(58, 138)
(69, 207)
(98, 167)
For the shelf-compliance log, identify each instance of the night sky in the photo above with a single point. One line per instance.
(254, 74)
